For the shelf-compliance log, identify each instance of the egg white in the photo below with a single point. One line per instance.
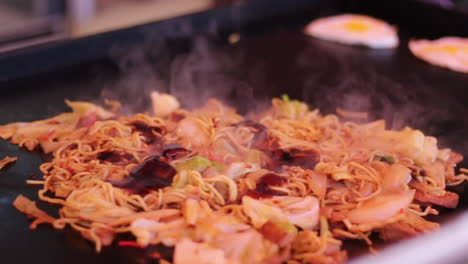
(354, 29)
(447, 52)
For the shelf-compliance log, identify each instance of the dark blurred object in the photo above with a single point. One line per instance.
(457, 5)
(228, 2)
(29, 22)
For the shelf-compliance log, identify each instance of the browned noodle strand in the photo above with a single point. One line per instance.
(231, 197)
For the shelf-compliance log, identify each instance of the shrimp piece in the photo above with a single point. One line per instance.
(381, 207)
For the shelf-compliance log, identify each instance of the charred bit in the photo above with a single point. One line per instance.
(294, 157)
(114, 157)
(171, 154)
(148, 132)
(263, 190)
(151, 174)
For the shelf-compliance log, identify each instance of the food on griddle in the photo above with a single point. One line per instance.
(447, 52)
(29, 208)
(7, 160)
(354, 29)
(286, 185)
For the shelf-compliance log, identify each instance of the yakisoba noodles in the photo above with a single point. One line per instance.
(286, 186)
(7, 160)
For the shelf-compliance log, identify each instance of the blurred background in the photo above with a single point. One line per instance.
(29, 22)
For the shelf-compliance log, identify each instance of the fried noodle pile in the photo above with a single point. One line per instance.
(287, 185)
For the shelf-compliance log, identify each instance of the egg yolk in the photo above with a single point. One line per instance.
(452, 49)
(356, 26)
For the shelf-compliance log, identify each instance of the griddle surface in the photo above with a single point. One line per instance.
(392, 84)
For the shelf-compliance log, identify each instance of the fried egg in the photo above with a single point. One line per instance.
(447, 52)
(354, 29)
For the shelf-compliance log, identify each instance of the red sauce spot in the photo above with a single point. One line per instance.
(155, 255)
(215, 122)
(34, 176)
(148, 132)
(304, 158)
(53, 122)
(263, 190)
(160, 251)
(129, 243)
(70, 169)
(175, 153)
(151, 174)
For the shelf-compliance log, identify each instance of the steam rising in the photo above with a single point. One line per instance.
(250, 72)
(202, 71)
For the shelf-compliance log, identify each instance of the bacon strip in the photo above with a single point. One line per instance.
(410, 226)
(449, 199)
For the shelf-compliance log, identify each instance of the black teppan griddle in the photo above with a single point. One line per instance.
(191, 57)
